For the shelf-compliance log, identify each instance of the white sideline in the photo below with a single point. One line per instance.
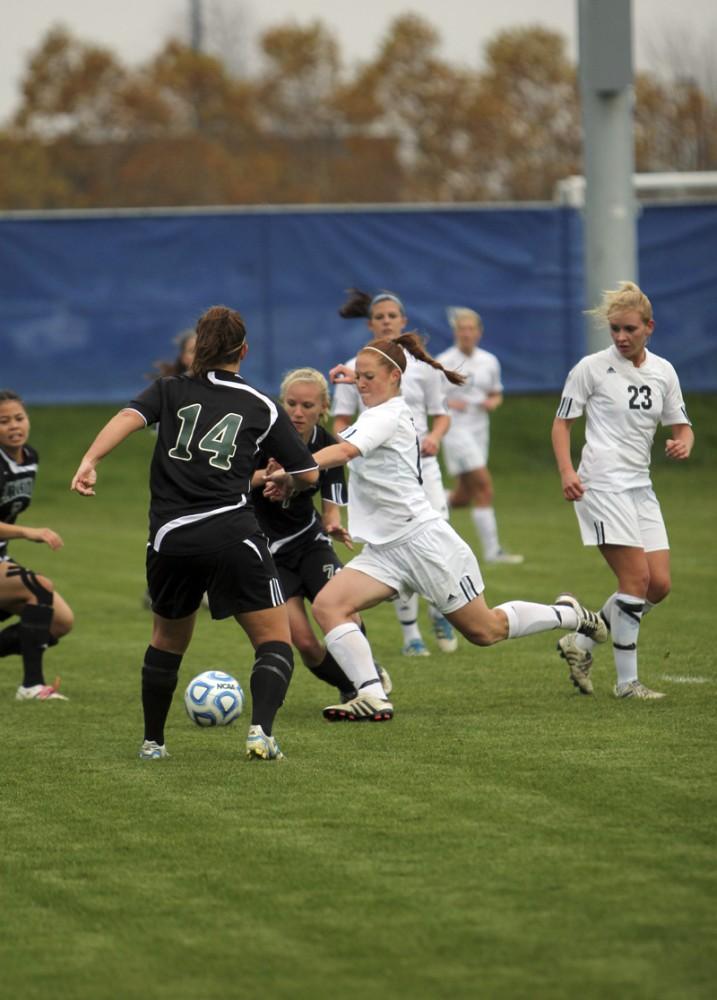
(681, 679)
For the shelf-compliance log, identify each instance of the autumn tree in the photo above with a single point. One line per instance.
(526, 115)
(186, 128)
(69, 88)
(676, 104)
(407, 91)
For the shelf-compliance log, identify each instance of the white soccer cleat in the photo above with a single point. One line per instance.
(362, 708)
(445, 635)
(153, 751)
(579, 663)
(634, 689)
(40, 692)
(259, 746)
(590, 623)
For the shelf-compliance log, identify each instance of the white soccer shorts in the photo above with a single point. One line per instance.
(435, 562)
(465, 449)
(632, 518)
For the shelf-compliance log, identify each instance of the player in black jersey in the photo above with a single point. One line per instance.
(44, 616)
(299, 538)
(203, 534)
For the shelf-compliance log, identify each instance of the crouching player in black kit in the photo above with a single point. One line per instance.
(44, 616)
(300, 538)
(203, 535)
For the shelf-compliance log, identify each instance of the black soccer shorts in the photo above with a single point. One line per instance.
(239, 578)
(304, 570)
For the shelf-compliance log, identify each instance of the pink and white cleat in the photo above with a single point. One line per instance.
(41, 692)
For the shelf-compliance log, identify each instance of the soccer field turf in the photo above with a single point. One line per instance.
(502, 837)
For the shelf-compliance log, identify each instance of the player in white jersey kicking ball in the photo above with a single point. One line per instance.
(625, 392)
(424, 391)
(409, 547)
(465, 444)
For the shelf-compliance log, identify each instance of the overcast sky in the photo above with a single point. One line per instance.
(135, 29)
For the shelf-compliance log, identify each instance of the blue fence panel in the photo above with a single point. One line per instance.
(678, 269)
(88, 303)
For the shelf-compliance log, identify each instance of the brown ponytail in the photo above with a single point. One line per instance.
(357, 304)
(393, 353)
(412, 343)
(221, 334)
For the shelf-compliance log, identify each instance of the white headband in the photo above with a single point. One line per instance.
(387, 296)
(388, 357)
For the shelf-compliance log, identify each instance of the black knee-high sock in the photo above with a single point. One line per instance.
(270, 678)
(159, 679)
(330, 672)
(11, 644)
(10, 641)
(35, 621)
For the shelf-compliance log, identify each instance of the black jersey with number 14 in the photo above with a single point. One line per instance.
(210, 430)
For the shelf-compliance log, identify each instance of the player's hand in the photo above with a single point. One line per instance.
(342, 373)
(341, 534)
(277, 492)
(273, 466)
(674, 448)
(46, 535)
(83, 482)
(429, 446)
(573, 489)
(279, 485)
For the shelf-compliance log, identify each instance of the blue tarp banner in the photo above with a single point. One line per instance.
(89, 302)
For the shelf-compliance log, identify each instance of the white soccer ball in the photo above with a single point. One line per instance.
(214, 699)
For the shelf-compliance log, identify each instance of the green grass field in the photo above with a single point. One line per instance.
(502, 837)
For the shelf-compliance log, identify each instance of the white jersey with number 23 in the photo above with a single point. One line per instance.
(623, 406)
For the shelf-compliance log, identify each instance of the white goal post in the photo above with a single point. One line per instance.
(694, 185)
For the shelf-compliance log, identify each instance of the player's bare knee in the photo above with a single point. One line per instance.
(636, 583)
(324, 611)
(62, 624)
(658, 589)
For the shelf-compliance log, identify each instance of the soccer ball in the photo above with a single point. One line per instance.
(214, 699)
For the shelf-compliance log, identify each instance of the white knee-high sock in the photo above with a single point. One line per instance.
(587, 644)
(527, 618)
(349, 647)
(407, 614)
(625, 627)
(487, 530)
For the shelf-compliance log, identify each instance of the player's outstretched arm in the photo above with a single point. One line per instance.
(336, 454)
(113, 433)
(46, 535)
